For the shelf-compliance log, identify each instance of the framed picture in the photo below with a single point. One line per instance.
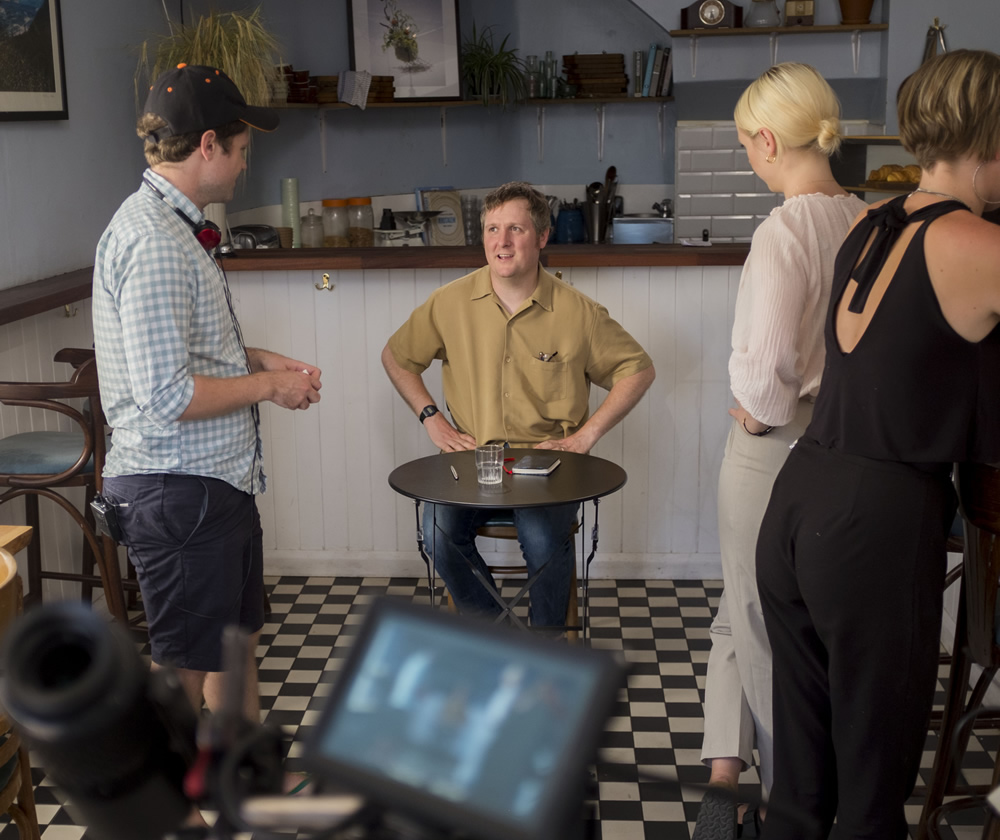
(32, 72)
(414, 41)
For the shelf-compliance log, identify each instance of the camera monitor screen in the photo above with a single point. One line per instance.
(465, 726)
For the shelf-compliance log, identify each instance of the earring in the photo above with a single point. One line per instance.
(975, 190)
(771, 158)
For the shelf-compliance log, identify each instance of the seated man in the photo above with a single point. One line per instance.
(519, 349)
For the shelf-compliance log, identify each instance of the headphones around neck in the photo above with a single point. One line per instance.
(206, 232)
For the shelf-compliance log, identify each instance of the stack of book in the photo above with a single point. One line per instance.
(327, 89)
(597, 76)
(382, 89)
(659, 75)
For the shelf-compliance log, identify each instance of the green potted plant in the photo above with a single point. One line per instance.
(400, 34)
(491, 73)
(237, 43)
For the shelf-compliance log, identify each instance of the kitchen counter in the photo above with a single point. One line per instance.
(42, 295)
(560, 256)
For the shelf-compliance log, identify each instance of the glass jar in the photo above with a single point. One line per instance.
(763, 13)
(335, 223)
(360, 223)
(312, 230)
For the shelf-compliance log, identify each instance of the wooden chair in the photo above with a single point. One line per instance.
(38, 464)
(975, 643)
(501, 527)
(17, 799)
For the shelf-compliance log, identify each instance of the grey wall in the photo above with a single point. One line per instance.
(61, 181)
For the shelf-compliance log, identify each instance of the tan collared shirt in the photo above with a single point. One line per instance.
(497, 384)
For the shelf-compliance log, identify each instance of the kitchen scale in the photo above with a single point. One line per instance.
(411, 229)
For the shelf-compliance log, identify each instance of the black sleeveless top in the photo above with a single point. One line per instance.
(912, 390)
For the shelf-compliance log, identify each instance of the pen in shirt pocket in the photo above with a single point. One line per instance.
(548, 357)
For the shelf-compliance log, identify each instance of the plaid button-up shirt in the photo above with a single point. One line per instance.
(161, 316)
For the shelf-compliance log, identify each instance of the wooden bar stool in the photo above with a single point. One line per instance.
(17, 798)
(975, 643)
(38, 464)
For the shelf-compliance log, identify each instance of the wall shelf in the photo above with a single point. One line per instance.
(773, 32)
(443, 105)
(463, 103)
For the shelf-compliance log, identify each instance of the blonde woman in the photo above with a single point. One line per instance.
(788, 121)
(851, 555)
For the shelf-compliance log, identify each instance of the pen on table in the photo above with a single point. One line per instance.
(454, 472)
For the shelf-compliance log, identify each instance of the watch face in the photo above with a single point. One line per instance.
(711, 12)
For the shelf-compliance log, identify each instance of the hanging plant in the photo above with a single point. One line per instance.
(492, 74)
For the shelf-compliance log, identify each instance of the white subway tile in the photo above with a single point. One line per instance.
(753, 204)
(694, 137)
(734, 182)
(694, 182)
(732, 225)
(712, 205)
(690, 227)
(714, 160)
(724, 137)
(723, 240)
(682, 206)
(742, 240)
(741, 161)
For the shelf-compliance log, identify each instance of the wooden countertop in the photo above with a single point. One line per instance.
(49, 293)
(558, 256)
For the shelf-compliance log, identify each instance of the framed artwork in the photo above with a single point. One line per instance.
(414, 41)
(32, 72)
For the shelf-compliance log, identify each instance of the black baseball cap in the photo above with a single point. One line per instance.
(193, 97)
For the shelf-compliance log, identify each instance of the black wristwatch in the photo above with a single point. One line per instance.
(429, 411)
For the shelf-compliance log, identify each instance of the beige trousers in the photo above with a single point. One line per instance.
(738, 684)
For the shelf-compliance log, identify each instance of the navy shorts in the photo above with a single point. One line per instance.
(197, 547)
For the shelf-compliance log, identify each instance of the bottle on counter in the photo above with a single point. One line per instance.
(312, 230)
(360, 222)
(335, 234)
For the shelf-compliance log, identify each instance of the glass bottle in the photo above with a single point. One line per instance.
(533, 76)
(763, 13)
(312, 230)
(335, 223)
(361, 222)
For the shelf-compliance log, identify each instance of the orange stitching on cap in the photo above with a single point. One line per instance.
(208, 81)
(218, 73)
(182, 65)
(170, 90)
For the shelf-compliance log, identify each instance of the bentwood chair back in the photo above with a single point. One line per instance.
(40, 464)
(976, 643)
(17, 799)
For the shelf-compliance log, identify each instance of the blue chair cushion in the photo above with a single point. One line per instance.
(41, 453)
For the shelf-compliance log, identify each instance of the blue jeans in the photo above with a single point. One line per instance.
(544, 534)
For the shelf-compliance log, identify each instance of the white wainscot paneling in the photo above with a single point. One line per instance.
(329, 508)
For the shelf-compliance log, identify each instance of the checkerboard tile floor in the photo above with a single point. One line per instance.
(656, 730)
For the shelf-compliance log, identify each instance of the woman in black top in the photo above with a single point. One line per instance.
(851, 554)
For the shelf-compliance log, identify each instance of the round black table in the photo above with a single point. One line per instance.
(578, 478)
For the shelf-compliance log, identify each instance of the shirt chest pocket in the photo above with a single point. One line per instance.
(546, 381)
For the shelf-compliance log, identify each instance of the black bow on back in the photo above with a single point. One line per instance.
(888, 220)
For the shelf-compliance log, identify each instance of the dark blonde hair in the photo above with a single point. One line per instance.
(950, 107)
(538, 207)
(176, 149)
(796, 104)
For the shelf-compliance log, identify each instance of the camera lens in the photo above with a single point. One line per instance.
(80, 695)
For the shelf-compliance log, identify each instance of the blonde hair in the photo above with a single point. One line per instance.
(950, 107)
(795, 103)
